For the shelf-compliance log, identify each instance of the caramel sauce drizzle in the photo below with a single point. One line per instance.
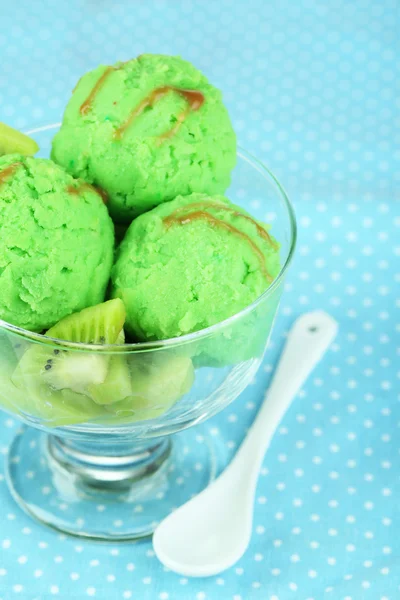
(87, 104)
(9, 171)
(102, 193)
(194, 98)
(260, 230)
(202, 215)
(76, 190)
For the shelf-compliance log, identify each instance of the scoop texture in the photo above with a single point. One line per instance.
(191, 263)
(146, 131)
(56, 243)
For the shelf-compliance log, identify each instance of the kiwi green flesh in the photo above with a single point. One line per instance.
(60, 369)
(141, 391)
(41, 399)
(73, 409)
(11, 398)
(64, 387)
(117, 384)
(13, 141)
(55, 381)
(100, 324)
(156, 386)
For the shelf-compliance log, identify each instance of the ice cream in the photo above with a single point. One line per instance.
(146, 131)
(56, 243)
(191, 263)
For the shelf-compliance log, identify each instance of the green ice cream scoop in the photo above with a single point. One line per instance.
(147, 131)
(191, 263)
(56, 243)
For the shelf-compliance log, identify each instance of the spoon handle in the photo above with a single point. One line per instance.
(307, 342)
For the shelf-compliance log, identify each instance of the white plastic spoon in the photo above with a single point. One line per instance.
(211, 532)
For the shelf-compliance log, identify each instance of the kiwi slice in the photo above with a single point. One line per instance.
(157, 383)
(56, 406)
(58, 380)
(61, 369)
(15, 142)
(117, 384)
(100, 324)
(69, 408)
(11, 398)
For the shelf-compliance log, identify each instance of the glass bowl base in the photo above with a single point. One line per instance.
(118, 496)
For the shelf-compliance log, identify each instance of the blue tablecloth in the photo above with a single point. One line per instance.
(313, 89)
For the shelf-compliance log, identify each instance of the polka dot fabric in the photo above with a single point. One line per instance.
(313, 91)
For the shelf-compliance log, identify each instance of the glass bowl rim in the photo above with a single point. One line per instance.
(189, 337)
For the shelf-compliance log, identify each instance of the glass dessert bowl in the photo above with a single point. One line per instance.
(101, 463)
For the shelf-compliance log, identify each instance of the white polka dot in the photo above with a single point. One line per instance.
(365, 584)
(312, 573)
(295, 558)
(260, 529)
(332, 532)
